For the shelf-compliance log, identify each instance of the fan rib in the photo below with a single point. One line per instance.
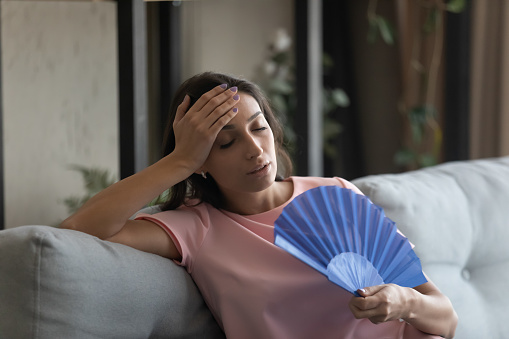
(366, 208)
(344, 223)
(338, 245)
(290, 248)
(380, 260)
(376, 241)
(321, 237)
(294, 229)
(398, 251)
(347, 238)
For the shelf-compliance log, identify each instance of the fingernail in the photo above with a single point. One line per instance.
(185, 97)
(236, 97)
(233, 89)
(362, 290)
(223, 86)
(235, 109)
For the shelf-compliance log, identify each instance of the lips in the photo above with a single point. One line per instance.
(260, 169)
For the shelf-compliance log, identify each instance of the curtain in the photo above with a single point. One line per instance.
(489, 96)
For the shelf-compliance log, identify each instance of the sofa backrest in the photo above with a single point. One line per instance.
(457, 216)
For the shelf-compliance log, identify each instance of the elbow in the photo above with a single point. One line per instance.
(86, 225)
(75, 224)
(454, 324)
(69, 224)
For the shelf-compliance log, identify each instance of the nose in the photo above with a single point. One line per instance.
(253, 148)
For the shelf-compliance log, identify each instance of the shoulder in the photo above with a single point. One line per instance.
(189, 214)
(187, 226)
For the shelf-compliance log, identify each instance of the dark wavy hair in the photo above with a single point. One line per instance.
(206, 190)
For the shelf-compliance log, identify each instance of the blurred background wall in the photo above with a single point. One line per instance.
(60, 87)
(59, 90)
(231, 36)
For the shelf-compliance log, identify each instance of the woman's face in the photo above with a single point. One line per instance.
(243, 157)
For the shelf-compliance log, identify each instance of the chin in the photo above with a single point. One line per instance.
(265, 183)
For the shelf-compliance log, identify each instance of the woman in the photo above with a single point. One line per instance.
(223, 144)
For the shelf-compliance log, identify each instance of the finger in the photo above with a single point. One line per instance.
(223, 120)
(364, 303)
(217, 104)
(182, 109)
(223, 109)
(375, 315)
(369, 298)
(369, 291)
(213, 95)
(360, 313)
(377, 319)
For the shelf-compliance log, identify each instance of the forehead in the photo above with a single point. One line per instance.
(248, 109)
(247, 103)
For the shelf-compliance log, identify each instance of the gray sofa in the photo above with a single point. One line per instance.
(64, 284)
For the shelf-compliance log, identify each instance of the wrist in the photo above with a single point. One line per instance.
(180, 168)
(411, 304)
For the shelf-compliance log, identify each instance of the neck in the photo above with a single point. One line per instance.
(254, 203)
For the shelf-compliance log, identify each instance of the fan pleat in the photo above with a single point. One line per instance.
(385, 249)
(347, 238)
(296, 252)
(397, 251)
(324, 239)
(339, 246)
(307, 245)
(350, 234)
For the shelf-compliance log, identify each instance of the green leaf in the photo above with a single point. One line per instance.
(327, 62)
(456, 6)
(94, 179)
(330, 150)
(372, 31)
(281, 58)
(279, 103)
(74, 203)
(331, 129)
(427, 160)
(417, 119)
(339, 97)
(386, 30)
(417, 132)
(281, 86)
(417, 115)
(162, 198)
(290, 135)
(431, 21)
(405, 157)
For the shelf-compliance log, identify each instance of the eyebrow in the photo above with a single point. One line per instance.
(251, 118)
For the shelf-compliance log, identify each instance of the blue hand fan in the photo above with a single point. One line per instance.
(347, 238)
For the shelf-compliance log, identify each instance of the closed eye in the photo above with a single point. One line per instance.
(223, 146)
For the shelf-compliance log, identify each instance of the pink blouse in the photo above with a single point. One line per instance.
(256, 290)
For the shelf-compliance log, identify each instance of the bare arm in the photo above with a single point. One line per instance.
(107, 214)
(424, 307)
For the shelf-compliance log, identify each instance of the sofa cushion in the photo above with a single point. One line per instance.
(57, 283)
(457, 215)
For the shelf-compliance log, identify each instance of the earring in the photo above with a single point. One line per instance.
(203, 175)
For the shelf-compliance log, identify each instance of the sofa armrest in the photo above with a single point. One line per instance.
(57, 283)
